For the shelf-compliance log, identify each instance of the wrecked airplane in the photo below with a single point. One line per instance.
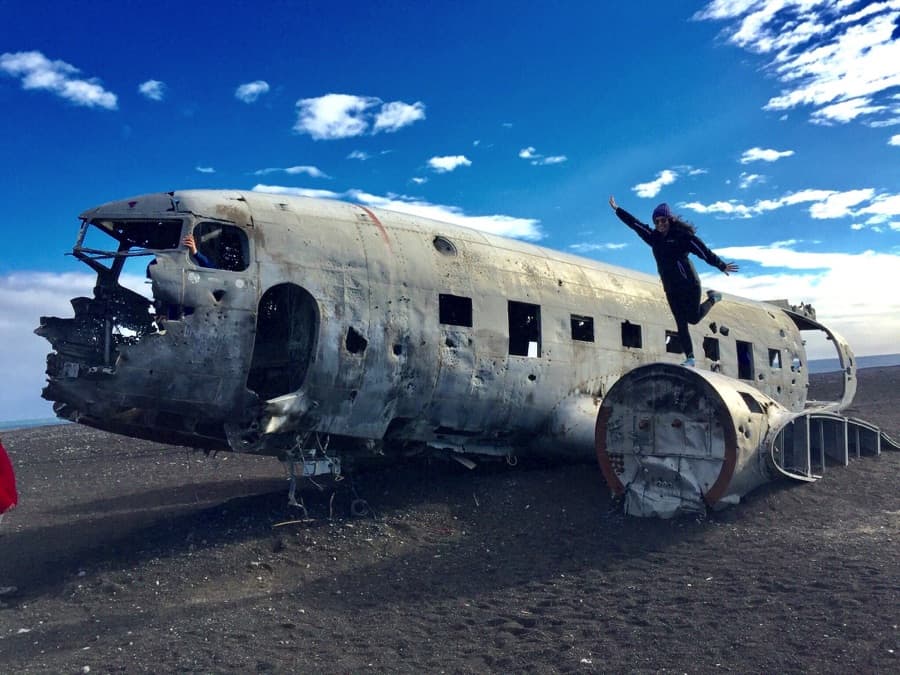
(330, 334)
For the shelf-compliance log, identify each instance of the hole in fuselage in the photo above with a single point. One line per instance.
(356, 343)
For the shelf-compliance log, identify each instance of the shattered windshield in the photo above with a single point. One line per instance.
(112, 248)
(105, 238)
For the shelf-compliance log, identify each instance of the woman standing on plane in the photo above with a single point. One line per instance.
(671, 241)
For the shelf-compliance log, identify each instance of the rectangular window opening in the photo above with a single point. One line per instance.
(524, 329)
(673, 342)
(775, 358)
(455, 310)
(711, 348)
(631, 335)
(745, 360)
(582, 328)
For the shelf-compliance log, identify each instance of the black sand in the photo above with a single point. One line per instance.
(136, 557)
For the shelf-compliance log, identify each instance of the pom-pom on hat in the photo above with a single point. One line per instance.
(662, 211)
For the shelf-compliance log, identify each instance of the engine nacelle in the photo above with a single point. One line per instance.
(672, 439)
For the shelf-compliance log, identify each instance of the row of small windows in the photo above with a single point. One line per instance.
(525, 332)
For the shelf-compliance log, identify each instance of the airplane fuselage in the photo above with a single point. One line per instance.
(376, 330)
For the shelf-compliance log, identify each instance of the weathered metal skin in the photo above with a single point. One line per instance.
(330, 339)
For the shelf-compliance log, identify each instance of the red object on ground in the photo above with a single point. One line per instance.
(8, 496)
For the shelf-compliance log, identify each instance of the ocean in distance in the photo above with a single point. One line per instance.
(27, 424)
(831, 365)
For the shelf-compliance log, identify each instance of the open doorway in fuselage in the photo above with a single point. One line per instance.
(287, 330)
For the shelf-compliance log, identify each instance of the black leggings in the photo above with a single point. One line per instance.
(687, 309)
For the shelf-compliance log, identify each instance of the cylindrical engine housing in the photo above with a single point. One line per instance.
(672, 439)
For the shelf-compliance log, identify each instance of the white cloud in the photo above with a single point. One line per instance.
(748, 179)
(24, 298)
(312, 171)
(360, 155)
(798, 197)
(839, 205)
(153, 89)
(845, 289)
(448, 163)
(396, 115)
(824, 204)
(552, 159)
(845, 111)
(823, 56)
(583, 248)
(419, 180)
(882, 209)
(250, 91)
(507, 226)
(58, 77)
(764, 155)
(299, 192)
(889, 122)
(731, 208)
(651, 189)
(344, 116)
(333, 116)
(895, 140)
(205, 169)
(538, 159)
(688, 170)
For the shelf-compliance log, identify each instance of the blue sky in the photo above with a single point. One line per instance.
(773, 126)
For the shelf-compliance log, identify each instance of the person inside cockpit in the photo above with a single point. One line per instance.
(196, 255)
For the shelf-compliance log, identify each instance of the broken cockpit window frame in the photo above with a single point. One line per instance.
(100, 241)
(117, 314)
(117, 250)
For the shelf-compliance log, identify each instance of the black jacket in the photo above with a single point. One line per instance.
(671, 252)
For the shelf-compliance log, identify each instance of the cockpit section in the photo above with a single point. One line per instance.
(161, 349)
(120, 313)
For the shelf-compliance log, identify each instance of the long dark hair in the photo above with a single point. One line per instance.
(681, 226)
